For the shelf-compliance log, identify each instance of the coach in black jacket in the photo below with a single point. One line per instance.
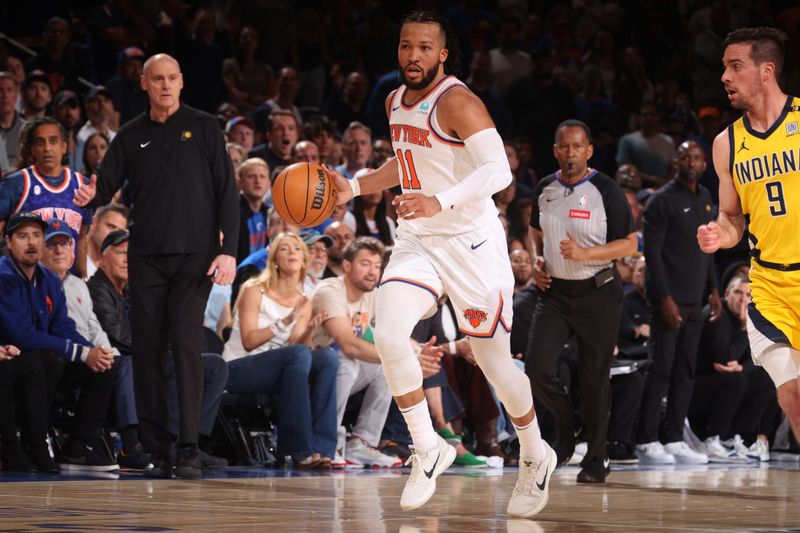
(184, 233)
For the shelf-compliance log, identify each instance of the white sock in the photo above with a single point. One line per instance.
(531, 445)
(418, 420)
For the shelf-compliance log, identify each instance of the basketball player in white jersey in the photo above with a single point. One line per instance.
(449, 161)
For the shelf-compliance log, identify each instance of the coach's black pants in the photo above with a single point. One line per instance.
(168, 296)
(592, 315)
(674, 354)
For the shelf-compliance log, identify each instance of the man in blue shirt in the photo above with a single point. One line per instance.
(34, 318)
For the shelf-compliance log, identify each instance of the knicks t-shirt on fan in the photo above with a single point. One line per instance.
(431, 161)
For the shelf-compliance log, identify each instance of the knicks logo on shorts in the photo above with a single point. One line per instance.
(475, 317)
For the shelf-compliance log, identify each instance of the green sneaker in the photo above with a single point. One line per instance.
(468, 459)
(451, 438)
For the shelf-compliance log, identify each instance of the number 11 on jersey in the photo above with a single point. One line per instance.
(410, 179)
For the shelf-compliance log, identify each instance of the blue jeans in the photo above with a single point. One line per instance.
(305, 381)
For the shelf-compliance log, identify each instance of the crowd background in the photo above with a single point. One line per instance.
(307, 81)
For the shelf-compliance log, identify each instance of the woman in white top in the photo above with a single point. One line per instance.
(267, 353)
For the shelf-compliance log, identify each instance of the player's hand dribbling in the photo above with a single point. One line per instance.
(709, 237)
(344, 193)
(541, 279)
(222, 269)
(415, 205)
(85, 193)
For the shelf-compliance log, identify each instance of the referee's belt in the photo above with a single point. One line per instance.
(791, 267)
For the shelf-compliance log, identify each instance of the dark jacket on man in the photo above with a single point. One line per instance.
(111, 309)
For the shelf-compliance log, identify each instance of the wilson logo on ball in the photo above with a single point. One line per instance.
(304, 195)
(319, 190)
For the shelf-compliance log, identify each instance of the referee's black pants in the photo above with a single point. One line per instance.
(672, 374)
(168, 295)
(592, 315)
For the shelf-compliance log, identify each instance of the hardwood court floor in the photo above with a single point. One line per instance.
(712, 498)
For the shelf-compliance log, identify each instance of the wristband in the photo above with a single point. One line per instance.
(451, 347)
(276, 329)
(356, 186)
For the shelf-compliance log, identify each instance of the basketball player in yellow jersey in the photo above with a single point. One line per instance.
(757, 159)
(449, 160)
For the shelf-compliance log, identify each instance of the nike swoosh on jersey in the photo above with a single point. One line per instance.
(144, 145)
(395, 108)
(429, 474)
(476, 246)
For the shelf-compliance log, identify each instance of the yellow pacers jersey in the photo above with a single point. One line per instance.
(766, 173)
(765, 168)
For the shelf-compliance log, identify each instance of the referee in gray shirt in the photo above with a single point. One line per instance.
(581, 223)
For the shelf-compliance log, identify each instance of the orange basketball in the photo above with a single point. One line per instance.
(304, 195)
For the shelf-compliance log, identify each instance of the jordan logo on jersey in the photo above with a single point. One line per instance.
(742, 147)
(410, 134)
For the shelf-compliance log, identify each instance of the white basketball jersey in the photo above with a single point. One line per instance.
(430, 161)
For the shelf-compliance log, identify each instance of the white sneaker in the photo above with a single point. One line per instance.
(717, 453)
(368, 456)
(737, 445)
(338, 461)
(685, 455)
(425, 468)
(653, 453)
(531, 491)
(759, 450)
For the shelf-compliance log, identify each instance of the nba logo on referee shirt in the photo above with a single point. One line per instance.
(791, 128)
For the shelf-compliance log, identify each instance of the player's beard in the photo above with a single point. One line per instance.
(426, 79)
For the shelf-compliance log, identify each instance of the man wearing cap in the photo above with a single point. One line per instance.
(126, 91)
(36, 94)
(254, 184)
(34, 318)
(318, 245)
(10, 121)
(101, 115)
(67, 110)
(183, 240)
(46, 187)
(239, 130)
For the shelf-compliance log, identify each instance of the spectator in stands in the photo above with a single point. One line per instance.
(283, 99)
(634, 326)
(67, 110)
(109, 293)
(237, 154)
(31, 290)
(125, 86)
(10, 121)
(94, 150)
(267, 353)
(57, 58)
(731, 396)
(481, 82)
(633, 87)
(522, 267)
(36, 95)
(601, 115)
(349, 106)
(650, 150)
(58, 257)
(56, 184)
(321, 131)
(524, 176)
(508, 62)
(347, 304)
(240, 130)
(113, 26)
(101, 116)
(248, 81)
(369, 211)
(628, 177)
(282, 135)
(357, 149)
(318, 245)
(308, 51)
(305, 151)
(504, 198)
(254, 183)
(15, 67)
(342, 235)
(201, 58)
(709, 124)
(111, 217)
(381, 152)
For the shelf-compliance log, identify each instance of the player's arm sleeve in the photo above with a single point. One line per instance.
(492, 175)
(619, 222)
(655, 229)
(225, 195)
(111, 174)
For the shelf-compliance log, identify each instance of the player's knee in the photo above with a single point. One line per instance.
(389, 341)
(789, 398)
